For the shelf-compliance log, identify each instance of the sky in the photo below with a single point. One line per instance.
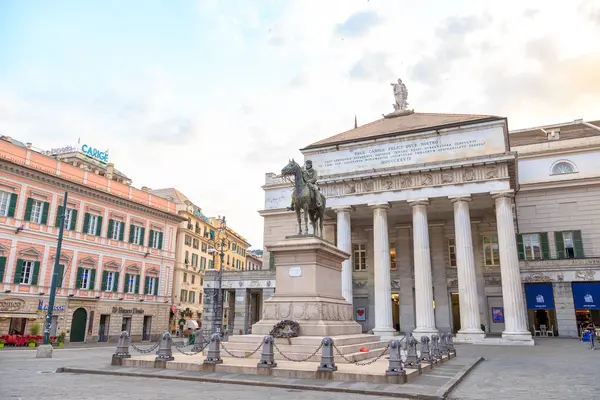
(207, 96)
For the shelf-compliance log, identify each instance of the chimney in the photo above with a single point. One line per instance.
(110, 169)
(146, 189)
(8, 139)
(28, 144)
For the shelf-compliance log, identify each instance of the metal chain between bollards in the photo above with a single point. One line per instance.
(145, 351)
(387, 347)
(246, 356)
(301, 360)
(195, 350)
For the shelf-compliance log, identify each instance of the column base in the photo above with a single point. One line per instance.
(469, 336)
(385, 333)
(419, 332)
(517, 338)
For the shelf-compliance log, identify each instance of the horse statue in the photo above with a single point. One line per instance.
(306, 197)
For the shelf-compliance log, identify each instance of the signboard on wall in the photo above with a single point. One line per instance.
(361, 314)
(498, 315)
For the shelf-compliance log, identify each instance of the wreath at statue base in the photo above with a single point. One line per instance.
(285, 329)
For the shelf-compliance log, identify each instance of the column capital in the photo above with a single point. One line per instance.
(339, 209)
(383, 204)
(466, 198)
(503, 194)
(418, 202)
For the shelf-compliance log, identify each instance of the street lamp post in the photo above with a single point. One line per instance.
(221, 244)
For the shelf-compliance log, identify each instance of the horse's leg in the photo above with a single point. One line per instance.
(313, 222)
(306, 218)
(320, 213)
(298, 218)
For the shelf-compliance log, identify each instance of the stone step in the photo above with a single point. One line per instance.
(305, 349)
(307, 340)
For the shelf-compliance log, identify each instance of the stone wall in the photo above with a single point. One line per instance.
(565, 309)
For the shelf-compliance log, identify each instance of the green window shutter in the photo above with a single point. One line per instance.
(520, 247)
(151, 238)
(143, 237)
(12, 206)
(104, 279)
(99, 226)
(160, 240)
(86, 222)
(59, 212)
(36, 273)
(578, 244)
(45, 208)
(126, 285)
(2, 268)
(560, 245)
(92, 278)
(121, 234)
(116, 284)
(79, 275)
(111, 227)
(136, 286)
(73, 220)
(155, 287)
(28, 209)
(18, 272)
(146, 285)
(545, 246)
(60, 275)
(131, 233)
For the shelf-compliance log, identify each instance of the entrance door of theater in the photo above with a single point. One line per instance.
(78, 325)
(396, 311)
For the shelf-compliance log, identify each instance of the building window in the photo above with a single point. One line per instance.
(86, 279)
(191, 297)
(360, 257)
(156, 238)
(183, 296)
(532, 246)
(68, 218)
(37, 208)
(392, 258)
(199, 298)
(193, 279)
(202, 263)
(204, 247)
(196, 244)
(151, 285)
(563, 167)
(491, 253)
(131, 284)
(194, 260)
(109, 282)
(569, 244)
(185, 276)
(452, 252)
(26, 273)
(137, 235)
(93, 224)
(211, 264)
(4, 203)
(188, 240)
(117, 229)
(187, 257)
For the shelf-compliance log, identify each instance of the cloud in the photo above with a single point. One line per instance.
(591, 10)
(530, 13)
(358, 24)
(373, 67)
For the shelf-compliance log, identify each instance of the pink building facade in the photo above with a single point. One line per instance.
(118, 254)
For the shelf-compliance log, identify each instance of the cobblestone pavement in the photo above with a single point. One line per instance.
(23, 377)
(553, 369)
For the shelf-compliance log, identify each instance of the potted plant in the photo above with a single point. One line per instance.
(1, 343)
(32, 343)
(35, 330)
(60, 339)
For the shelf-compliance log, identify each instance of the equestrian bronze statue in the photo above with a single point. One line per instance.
(306, 196)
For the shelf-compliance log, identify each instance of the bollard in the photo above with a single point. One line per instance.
(450, 344)
(214, 350)
(435, 348)
(165, 353)
(425, 350)
(327, 361)
(412, 359)
(122, 349)
(267, 359)
(443, 345)
(395, 365)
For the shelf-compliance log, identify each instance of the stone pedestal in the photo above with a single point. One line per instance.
(309, 289)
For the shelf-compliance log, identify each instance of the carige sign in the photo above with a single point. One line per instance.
(95, 153)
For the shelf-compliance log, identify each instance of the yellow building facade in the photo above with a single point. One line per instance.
(235, 257)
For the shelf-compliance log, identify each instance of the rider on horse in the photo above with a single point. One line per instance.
(310, 177)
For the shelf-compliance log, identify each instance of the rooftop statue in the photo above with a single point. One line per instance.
(401, 95)
(306, 196)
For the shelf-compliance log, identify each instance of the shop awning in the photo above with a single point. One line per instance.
(21, 315)
(586, 295)
(539, 296)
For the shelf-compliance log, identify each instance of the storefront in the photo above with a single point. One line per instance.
(586, 300)
(26, 315)
(541, 308)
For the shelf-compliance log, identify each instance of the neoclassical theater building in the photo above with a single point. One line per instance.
(456, 224)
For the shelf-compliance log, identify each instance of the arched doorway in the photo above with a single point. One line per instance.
(78, 325)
